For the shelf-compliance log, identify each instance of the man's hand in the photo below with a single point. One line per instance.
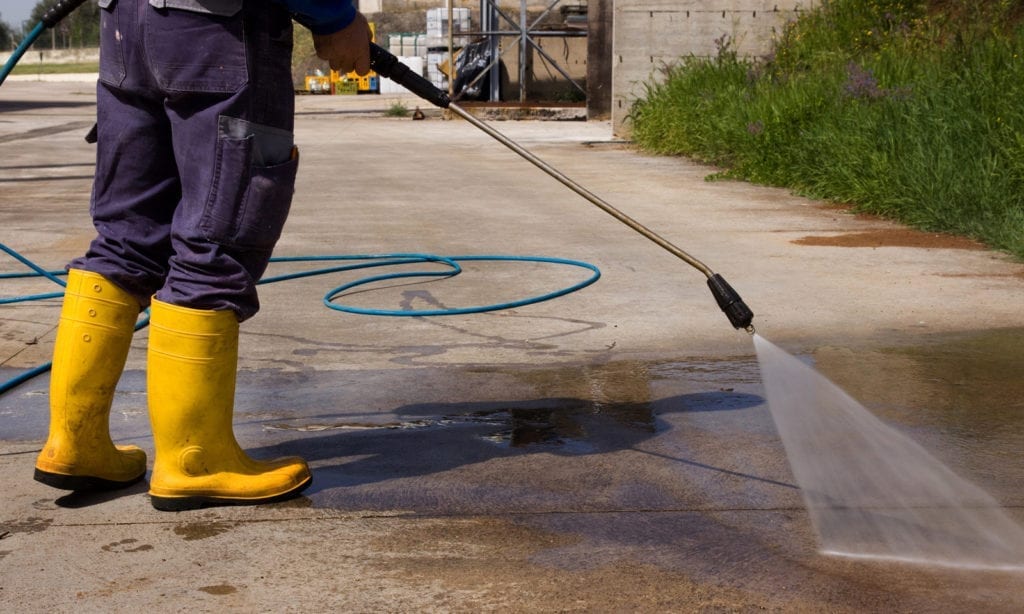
(347, 49)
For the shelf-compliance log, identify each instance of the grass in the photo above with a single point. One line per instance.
(907, 109)
(397, 109)
(25, 67)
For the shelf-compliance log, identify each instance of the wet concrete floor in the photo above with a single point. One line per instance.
(575, 456)
(667, 473)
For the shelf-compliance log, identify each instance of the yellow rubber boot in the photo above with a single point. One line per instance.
(193, 357)
(97, 320)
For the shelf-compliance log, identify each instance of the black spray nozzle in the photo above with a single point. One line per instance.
(387, 65)
(59, 11)
(740, 316)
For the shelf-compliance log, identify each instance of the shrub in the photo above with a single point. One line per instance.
(906, 109)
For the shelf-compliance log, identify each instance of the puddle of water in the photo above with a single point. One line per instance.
(575, 409)
(871, 491)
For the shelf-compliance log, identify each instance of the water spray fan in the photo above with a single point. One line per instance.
(387, 65)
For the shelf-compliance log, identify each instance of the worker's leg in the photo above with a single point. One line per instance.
(233, 146)
(136, 187)
(134, 194)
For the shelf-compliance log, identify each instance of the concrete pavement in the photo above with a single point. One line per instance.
(606, 451)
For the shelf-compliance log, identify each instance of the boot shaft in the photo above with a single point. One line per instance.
(93, 338)
(190, 373)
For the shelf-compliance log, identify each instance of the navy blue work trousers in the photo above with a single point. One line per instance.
(195, 166)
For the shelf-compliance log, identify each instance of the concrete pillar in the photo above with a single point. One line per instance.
(599, 58)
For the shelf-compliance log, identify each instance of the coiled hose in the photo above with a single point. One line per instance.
(330, 298)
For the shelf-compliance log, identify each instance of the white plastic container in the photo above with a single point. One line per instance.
(387, 86)
(437, 26)
(395, 43)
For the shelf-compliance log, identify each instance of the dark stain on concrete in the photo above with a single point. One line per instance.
(32, 524)
(219, 589)
(44, 504)
(202, 530)
(126, 545)
(892, 237)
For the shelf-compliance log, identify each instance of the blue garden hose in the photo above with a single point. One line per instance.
(363, 262)
(388, 65)
(20, 51)
(50, 18)
(64, 8)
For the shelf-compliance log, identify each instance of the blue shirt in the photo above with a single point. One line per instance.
(322, 16)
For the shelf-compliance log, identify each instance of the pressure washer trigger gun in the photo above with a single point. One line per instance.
(740, 316)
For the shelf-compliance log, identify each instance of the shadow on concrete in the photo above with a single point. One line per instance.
(13, 106)
(435, 439)
(79, 499)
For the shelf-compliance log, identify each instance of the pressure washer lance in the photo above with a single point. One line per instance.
(387, 65)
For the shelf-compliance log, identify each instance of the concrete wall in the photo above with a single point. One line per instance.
(652, 34)
(509, 6)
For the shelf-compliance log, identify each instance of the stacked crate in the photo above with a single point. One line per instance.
(408, 44)
(438, 63)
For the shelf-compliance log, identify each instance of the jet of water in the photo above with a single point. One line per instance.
(871, 491)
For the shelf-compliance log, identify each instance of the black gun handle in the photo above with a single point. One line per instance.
(59, 11)
(387, 65)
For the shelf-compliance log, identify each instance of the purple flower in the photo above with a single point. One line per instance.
(861, 83)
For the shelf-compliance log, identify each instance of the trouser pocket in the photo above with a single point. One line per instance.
(248, 202)
(196, 52)
(111, 46)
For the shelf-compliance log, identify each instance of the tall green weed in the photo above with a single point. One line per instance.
(907, 109)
